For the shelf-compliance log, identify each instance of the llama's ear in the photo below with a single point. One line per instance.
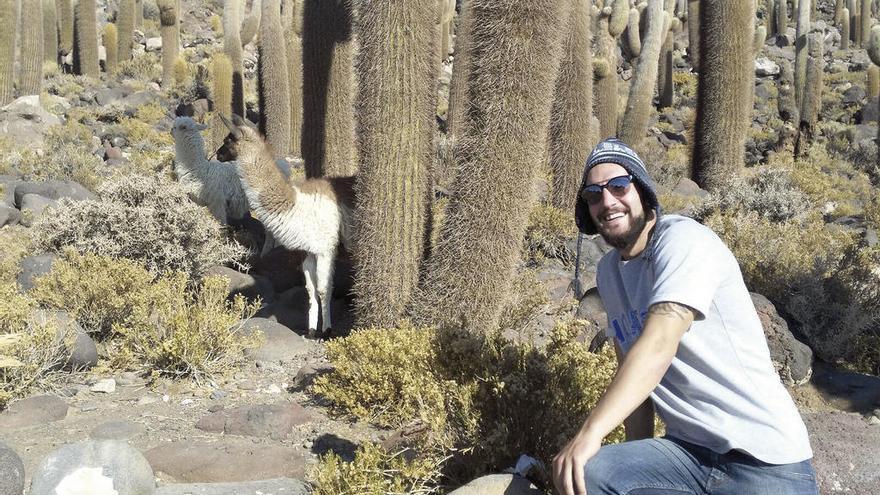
(232, 126)
(201, 127)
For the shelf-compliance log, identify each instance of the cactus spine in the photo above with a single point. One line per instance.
(169, 30)
(8, 17)
(694, 34)
(125, 29)
(111, 47)
(395, 112)
(65, 27)
(232, 48)
(801, 52)
(31, 75)
(641, 90)
(328, 89)
(274, 86)
(844, 29)
(294, 62)
(724, 92)
(50, 32)
(467, 276)
(85, 35)
(572, 111)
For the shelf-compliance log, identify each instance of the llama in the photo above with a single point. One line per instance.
(312, 215)
(210, 183)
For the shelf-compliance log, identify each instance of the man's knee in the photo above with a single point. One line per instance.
(601, 471)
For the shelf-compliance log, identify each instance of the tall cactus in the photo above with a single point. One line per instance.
(138, 14)
(611, 23)
(633, 36)
(31, 75)
(111, 48)
(665, 87)
(8, 17)
(460, 71)
(725, 91)
(572, 110)
(328, 89)
(295, 76)
(221, 95)
(867, 20)
(770, 16)
(874, 53)
(50, 32)
(873, 81)
(125, 29)
(801, 53)
(641, 90)
(274, 85)
(232, 48)
(251, 24)
(395, 114)
(65, 26)
(169, 30)
(694, 34)
(781, 16)
(85, 35)
(844, 29)
(812, 96)
(510, 88)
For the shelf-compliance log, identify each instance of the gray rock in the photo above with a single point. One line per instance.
(765, 67)
(11, 472)
(141, 98)
(116, 430)
(279, 486)
(308, 372)
(250, 286)
(855, 95)
(109, 96)
(269, 420)
(280, 343)
(792, 358)
(82, 353)
(106, 386)
(33, 206)
(36, 410)
(53, 189)
(498, 484)
(9, 215)
(592, 310)
(32, 267)
(105, 467)
(227, 460)
(844, 452)
(687, 187)
(860, 61)
(28, 108)
(154, 44)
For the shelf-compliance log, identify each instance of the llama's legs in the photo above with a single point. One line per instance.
(309, 267)
(325, 287)
(268, 244)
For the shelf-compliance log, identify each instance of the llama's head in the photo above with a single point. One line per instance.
(187, 129)
(243, 136)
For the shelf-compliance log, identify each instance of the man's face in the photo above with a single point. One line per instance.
(620, 219)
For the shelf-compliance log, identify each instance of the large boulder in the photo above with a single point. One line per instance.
(11, 472)
(36, 410)
(227, 460)
(792, 358)
(250, 286)
(32, 267)
(81, 351)
(53, 189)
(33, 206)
(280, 343)
(498, 484)
(106, 467)
(267, 420)
(25, 121)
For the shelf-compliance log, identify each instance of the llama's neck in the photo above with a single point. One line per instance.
(189, 153)
(268, 190)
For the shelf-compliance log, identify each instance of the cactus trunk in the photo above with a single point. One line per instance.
(170, 32)
(221, 94)
(572, 112)
(8, 16)
(724, 91)
(800, 48)
(31, 75)
(606, 79)
(641, 90)
(867, 20)
(232, 48)
(328, 89)
(274, 86)
(781, 16)
(844, 29)
(812, 97)
(125, 29)
(694, 34)
(85, 35)
(138, 14)
(111, 47)
(395, 127)
(665, 88)
(50, 32)
(510, 88)
(294, 77)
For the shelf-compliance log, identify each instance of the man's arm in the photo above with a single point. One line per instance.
(639, 424)
(638, 374)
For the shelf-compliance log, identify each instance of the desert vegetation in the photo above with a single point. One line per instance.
(465, 126)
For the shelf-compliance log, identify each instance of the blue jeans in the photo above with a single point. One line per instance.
(668, 466)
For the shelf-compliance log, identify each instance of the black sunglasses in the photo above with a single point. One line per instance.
(617, 186)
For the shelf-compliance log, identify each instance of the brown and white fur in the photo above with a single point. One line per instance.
(312, 215)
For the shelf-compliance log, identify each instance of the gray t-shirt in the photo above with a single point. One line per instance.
(721, 390)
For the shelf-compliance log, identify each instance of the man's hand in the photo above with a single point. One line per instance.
(568, 465)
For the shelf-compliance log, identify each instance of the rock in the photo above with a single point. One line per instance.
(106, 467)
(82, 353)
(250, 286)
(32, 207)
(107, 386)
(24, 121)
(154, 44)
(592, 310)
(116, 430)
(227, 460)
(109, 96)
(273, 421)
(11, 472)
(855, 95)
(792, 358)
(280, 343)
(112, 153)
(874, 420)
(279, 486)
(32, 267)
(868, 112)
(141, 98)
(687, 187)
(53, 189)
(307, 374)
(498, 484)
(860, 61)
(844, 452)
(9, 215)
(765, 67)
(36, 410)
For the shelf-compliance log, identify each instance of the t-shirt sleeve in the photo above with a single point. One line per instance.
(688, 267)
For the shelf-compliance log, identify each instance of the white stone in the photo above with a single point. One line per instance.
(107, 386)
(154, 44)
(765, 67)
(86, 481)
(273, 389)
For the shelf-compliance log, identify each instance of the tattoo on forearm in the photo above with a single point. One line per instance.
(671, 309)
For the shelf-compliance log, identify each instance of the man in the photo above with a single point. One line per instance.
(690, 345)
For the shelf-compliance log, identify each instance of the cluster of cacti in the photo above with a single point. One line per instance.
(725, 91)
(395, 129)
(328, 137)
(50, 32)
(511, 83)
(273, 80)
(111, 48)
(170, 32)
(571, 137)
(85, 39)
(125, 29)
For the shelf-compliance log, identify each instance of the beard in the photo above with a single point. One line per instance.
(625, 239)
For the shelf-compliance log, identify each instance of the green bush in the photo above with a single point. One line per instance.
(147, 219)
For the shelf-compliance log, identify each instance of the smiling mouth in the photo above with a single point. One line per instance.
(613, 216)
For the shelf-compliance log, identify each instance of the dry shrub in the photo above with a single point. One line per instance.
(377, 472)
(827, 180)
(494, 398)
(770, 193)
(527, 295)
(547, 234)
(147, 219)
(15, 244)
(145, 67)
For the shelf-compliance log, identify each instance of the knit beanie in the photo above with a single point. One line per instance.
(613, 150)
